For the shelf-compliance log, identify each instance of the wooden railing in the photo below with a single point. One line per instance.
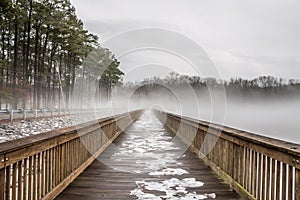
(9, 115)
(41, 166)
(257, 167)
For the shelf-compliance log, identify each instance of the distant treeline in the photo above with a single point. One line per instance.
(263, 86)
(43, 49)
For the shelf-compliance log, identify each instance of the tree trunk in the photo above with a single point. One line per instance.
(35, 66)
(15, 63)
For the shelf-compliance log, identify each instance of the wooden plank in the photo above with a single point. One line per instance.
(297, 184)
(254, 173)
(259, 180)
(8, 178)
(38, 176)
(268, 183)
(273, 179)
(2, 184)
(250, 170)
(43, 173)
(20, 181)
(51, 169)
(290, 182)
(34, 177)
(241, 164)
(30, 178)
(264, 177)
(47, 172)
(25, 179)
(277, 175)
(247, 162)
(284, 182)
(14, 181)
(63, 158)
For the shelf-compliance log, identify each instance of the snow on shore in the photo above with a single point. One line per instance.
(22, 129)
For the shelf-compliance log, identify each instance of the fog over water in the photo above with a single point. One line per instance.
(272, 117)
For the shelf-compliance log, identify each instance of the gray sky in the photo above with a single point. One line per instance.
(245, 38)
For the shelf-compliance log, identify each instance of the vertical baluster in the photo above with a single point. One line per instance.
(58, 153)
(30, 178)
(258, 176)
(254, 172)
(2, 183)
(46, 178)
(247, 169)
(284, 183)
(51, 169)
(43, 175)
(34, 177)
(267, 179)
(14, 181)
(241, 164)
(67, 159)
(263, 176)
(270, 179)
(277, 176)
(25, 179)
(38, 176)
(290, 182)
(63, 158)
(244, 168)
(297, 184)
(76, 153)
(250, 171)
(56, 165)
(273, 177)
(8, 178)
(20, 177)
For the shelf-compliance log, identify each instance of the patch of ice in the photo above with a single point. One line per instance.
(173, 189)
(169, 171)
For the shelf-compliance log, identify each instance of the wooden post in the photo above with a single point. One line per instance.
(2, 178)
(24, 114)
(11, 116)
(35, 114)
(297, 184)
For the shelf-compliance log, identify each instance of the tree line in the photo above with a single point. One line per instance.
(45, 50)
(262, 86)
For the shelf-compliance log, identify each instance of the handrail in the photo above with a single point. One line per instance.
(257, 167)
(41, 166)
(43, 112)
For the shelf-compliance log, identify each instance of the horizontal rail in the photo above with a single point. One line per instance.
(21, 111)
(41, 166)
(257, 167)
(41, 113)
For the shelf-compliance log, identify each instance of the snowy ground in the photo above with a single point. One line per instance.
(22, 129)
(26, 128)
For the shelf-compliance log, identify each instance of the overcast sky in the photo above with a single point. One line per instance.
(245, 38)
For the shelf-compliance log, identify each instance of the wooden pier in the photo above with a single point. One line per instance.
(162, 157)
(114, 177)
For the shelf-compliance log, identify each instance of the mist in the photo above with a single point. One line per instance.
(272, 115)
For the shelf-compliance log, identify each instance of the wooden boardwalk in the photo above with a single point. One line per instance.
(147, 162)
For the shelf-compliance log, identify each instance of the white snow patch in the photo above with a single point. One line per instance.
(173, 188)
(169, 171)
